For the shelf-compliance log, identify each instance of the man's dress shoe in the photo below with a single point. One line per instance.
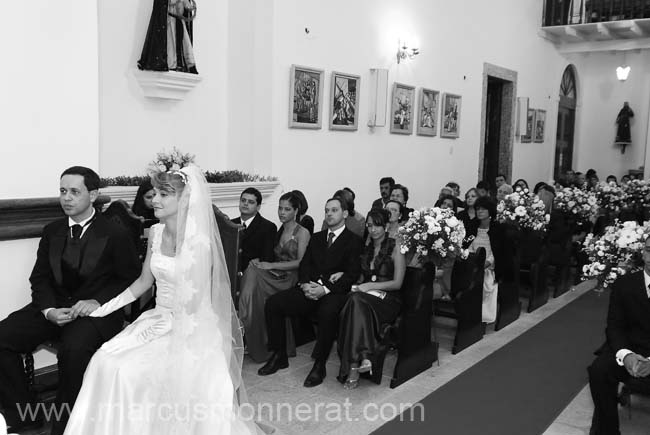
(275, 363)
(316, 375)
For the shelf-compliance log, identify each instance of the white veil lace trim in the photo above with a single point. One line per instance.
(206, 341)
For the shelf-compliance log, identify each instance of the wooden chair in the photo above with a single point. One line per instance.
(466, 300)
(411, 332)
(557, 253)
(532, 269)
(230, 238)
(638, 386)
(509, 306)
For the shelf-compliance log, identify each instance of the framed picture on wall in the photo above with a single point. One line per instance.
(305, 97)
(530, 122)
(450, 116)
(344, 101)
(401, 109)
(540, 125)
(428, 112)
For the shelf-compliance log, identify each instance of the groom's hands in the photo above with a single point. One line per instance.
(84, 308)
(60, 316)
(312, 290)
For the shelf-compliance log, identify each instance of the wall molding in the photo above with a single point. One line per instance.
(25, 218)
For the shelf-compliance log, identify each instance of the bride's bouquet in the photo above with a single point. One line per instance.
(610, 196)
(617, 252)
(523, 209)
(577, 204)
(433, 232)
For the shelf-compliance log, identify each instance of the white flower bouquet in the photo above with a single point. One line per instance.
(617, 252)
(577, 204)
(637, 193)
(610, 196)
(433, 232)
(524, 209)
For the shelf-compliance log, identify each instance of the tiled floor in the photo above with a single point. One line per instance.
(328, 408)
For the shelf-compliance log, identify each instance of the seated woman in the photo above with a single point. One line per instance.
(305, 221)
(263, 279)
(400, 193)
(521, 183)
(442, 283)
(469, 213)
(373, 302)
(446, 201)
(395, 217)
(488, 234)
(503, 191)
(142, 205)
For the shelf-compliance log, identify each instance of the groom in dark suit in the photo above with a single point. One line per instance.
(258, 237)
(83, 261)
(335, 249)
(627, 350)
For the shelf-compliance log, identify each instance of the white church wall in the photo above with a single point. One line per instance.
(600, 98)
(48, 87)
(133, 127)
(455, 39)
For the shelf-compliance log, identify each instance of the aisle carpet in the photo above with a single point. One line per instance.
(521, 388)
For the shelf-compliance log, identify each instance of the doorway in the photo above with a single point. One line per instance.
(566, 116)
(497, 122)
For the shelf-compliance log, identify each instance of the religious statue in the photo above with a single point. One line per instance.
(168, 44)
(623, 136)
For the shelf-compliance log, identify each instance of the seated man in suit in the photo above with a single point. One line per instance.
(258, 237)
(332, 250)
(83, 261)
(385, 185)
(627, 350)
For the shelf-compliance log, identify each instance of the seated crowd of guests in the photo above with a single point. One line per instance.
(348, 276)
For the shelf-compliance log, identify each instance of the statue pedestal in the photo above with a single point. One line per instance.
(169, 85)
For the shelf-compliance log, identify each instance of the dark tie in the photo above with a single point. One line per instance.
(73, 250)
(330, 239)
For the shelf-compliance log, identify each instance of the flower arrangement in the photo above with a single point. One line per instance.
(433, 232)
(176, 160)
(524, 209)
(173, 161)
(617, 252)
(637, 193)
(610, 196)
(581, 205)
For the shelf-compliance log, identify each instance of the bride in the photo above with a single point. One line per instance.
(177, 368)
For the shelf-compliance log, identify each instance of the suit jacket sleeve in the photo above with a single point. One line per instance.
(41, 279)
(268, 242)
(351, 266)
(126, 263)
(306, 265)
(616, 319)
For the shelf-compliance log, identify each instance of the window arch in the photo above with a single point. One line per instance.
(568, 84)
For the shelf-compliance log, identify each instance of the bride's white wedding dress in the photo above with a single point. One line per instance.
(124, 391)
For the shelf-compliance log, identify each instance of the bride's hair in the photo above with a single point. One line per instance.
(171, 181)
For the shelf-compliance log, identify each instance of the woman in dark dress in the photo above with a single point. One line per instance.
(373, 302)
(263, 279)
(469, 212)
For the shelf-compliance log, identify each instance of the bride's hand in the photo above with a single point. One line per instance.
(335, 277)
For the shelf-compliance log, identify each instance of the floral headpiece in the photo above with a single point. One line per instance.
(172, 163)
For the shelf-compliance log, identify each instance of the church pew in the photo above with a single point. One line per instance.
(466, 300)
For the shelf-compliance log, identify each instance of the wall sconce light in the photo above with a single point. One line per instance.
(404, 52)
(622, 72)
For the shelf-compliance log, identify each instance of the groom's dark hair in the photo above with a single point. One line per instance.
(91, 179)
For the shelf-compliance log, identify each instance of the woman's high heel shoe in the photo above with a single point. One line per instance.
(353, 379)
(366, 366)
